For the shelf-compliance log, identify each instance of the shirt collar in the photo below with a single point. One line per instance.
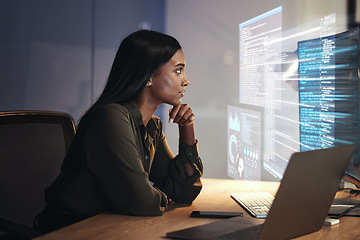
(138, 120)
(135, 113)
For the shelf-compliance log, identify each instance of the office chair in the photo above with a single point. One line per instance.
(33, 145)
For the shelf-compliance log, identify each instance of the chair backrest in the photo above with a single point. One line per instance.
(33, 145)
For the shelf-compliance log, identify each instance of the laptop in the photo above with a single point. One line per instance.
(301, 204)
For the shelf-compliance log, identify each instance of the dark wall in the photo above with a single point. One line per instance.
(56, 55)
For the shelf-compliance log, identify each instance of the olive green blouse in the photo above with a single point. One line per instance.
(129, 167)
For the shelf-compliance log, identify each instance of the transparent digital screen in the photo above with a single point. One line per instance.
(298, 91)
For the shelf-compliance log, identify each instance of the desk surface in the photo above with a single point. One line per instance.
(215, 195)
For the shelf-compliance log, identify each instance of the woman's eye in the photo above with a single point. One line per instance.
(178, 71)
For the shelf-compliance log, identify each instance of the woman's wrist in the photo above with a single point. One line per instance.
(187, 134)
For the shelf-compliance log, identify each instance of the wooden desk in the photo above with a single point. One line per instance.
(214, 196)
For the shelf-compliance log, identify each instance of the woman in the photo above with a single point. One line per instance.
(119, 159)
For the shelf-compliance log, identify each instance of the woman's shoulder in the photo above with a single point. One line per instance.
(111, 111)
(113, 108)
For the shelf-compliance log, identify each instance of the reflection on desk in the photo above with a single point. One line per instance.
(215, 196)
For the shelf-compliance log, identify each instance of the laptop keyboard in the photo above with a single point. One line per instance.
(257, 204)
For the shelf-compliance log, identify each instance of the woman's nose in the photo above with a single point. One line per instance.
(186, 81)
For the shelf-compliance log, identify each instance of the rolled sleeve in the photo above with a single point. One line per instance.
(170, 175)
(191, 154)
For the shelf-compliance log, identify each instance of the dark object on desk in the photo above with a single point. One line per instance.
(305, 180)
(215, 214)
(231, 228)
(345, 207)
(352, 178)
(33, 145)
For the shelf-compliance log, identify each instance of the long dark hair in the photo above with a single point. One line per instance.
(139, 56)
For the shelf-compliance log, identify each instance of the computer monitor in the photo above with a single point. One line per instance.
(296, 93)
(329, 93)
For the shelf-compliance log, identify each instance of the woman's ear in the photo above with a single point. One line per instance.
(149, 83)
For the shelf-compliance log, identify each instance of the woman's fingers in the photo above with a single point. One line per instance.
(182, 115)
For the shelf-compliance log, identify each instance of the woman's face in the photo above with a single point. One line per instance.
(169, 82)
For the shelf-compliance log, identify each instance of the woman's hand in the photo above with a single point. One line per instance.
(182, 114)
